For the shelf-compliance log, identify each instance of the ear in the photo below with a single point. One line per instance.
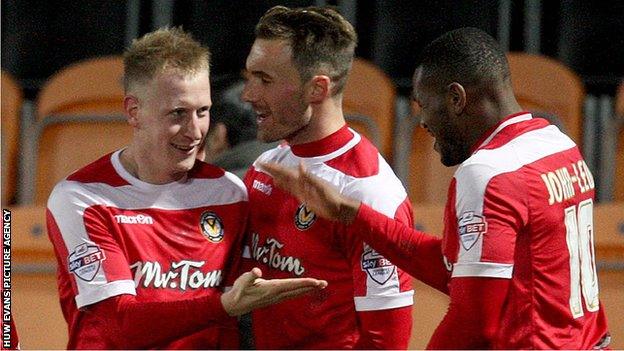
(218, 135)
(215, 142)
(320, 88)
(131, 107)
(456, 98)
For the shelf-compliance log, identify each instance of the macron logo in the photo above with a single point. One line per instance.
(138, 219)
(266, 189)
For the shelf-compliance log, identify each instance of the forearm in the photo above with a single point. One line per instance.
(140, 325)
(417, 253)
(385, 329)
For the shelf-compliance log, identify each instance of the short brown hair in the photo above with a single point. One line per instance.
(163, 49)
(322, 41)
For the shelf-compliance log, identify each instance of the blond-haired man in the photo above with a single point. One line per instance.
(147, 237)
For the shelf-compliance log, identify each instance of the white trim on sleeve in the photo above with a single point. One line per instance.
(374, 303)
(103, 292)
(482, 269)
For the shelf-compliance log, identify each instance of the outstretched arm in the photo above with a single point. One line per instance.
(250, 291)
(129, 323)
(417, 253)
(317, 194)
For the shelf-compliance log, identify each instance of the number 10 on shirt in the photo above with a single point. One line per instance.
(580, 239)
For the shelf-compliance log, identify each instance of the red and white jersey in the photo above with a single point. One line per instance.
(520, 208)
(114, 234)
(287, 240)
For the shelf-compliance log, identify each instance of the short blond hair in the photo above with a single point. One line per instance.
(163, 49)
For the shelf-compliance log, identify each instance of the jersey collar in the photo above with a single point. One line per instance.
(507, 121)
(324, 146)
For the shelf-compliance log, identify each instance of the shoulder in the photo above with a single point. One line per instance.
(362, 160)
(76, 190)
(275, 154)
(362, 173)
(508, 159)
(508, 154)
(99, 171)
(215, 179)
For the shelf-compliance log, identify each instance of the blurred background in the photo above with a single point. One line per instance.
(61, 108)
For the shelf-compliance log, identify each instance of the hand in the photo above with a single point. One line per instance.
(318, 195)
(250, 291)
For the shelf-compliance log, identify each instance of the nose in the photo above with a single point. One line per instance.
(194, 126)
(249, 93)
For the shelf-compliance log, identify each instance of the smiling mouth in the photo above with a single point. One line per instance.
(182, 148)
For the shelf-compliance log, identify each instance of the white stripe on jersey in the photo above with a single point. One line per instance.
(483, 269)
(100, 292)
(474, 174)
(70, 199)
(375, 303)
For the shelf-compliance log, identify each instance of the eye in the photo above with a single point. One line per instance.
(178, 112)
(203, 111)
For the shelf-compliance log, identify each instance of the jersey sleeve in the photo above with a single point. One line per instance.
(383, 294)
(418, 253)
(378, 283)
(128, 324)
(487, 219)
(82, 236)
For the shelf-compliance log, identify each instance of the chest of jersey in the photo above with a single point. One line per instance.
(176, 251)
(290, 239)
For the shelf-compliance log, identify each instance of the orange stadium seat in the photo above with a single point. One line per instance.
(29, 239)
(80, 116)
(370, 93)
(418, 164)
(542, 84)
(609, 232)
(35, 303)
(619, 161)
(12, 99)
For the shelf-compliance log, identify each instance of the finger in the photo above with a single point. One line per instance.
(302, 168)
(283, 177)
(277, 170)
(282, 285)
(257, 272)
(249, 278)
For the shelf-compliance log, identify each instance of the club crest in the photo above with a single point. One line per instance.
(304, 218)
(378, 268)
(211, 226)
(85, 261)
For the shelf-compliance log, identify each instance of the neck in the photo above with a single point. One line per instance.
(490, 109)
(141, 167)
(326, 118)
